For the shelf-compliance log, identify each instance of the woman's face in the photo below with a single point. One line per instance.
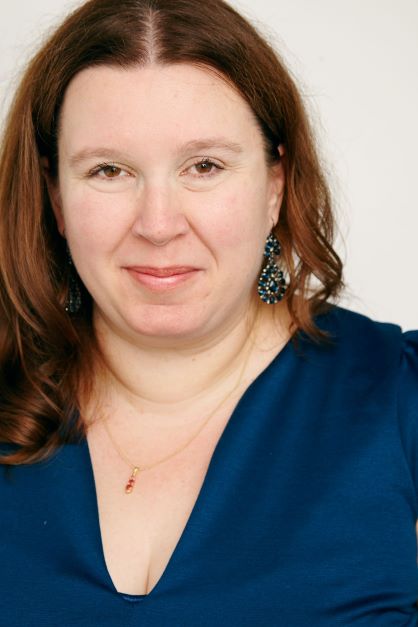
(164, 197)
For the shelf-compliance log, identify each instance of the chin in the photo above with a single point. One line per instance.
(170, 322)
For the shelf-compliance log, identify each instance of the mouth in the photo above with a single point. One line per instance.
(160, 279)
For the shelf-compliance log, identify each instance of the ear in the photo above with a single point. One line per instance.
(277, 186)
(54, 195)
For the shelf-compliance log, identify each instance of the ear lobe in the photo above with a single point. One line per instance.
(54, 195)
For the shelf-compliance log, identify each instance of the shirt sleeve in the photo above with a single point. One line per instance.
(408, 402)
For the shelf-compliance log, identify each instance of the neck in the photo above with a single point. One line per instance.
(158, 380)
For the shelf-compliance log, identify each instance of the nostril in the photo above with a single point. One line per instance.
(159, 242)
(159, 229)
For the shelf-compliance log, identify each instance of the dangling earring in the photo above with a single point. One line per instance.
(271, 284)
(73, 304)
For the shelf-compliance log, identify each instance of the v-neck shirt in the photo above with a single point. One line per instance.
(306, 515)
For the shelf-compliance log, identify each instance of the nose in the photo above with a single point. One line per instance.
(159, 217)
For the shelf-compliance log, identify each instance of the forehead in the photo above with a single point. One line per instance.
(156, 103)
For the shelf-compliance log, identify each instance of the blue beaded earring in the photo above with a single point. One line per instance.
(73, 304)
(271, 284)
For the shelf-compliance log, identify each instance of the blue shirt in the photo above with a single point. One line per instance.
(306, 517)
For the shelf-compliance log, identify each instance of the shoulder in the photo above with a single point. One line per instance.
(364, 358)
(361, 338)
(346, 324)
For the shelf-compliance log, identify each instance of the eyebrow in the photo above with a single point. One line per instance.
(105, 152)
(212, 142)
(93, 153)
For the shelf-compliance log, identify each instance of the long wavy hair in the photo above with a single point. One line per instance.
(46, 356)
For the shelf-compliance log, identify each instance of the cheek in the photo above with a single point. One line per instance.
(94, 220)
(237, 222)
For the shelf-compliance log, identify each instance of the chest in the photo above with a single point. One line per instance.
(316, 530)
(141, 530)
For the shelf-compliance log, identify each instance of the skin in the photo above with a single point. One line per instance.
(142, 197)
(180, 354)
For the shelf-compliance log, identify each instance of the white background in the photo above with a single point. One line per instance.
(357, 64)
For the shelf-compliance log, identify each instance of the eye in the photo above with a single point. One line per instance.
(108, 171)
(206, 168)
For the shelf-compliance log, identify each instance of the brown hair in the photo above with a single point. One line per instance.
(45, 354)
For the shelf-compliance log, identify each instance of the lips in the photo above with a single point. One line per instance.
(162, 279)
(162, 272)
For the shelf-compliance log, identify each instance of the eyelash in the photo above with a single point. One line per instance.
(206, 160)
(102, 166)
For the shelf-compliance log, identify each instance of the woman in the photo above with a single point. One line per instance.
(189, 437)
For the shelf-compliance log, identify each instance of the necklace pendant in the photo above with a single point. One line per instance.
(132, 480)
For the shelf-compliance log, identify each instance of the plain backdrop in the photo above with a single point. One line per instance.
(356, 63)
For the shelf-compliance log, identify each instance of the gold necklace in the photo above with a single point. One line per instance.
(136, 468)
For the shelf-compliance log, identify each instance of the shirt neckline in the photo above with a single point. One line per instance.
(283, 355)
